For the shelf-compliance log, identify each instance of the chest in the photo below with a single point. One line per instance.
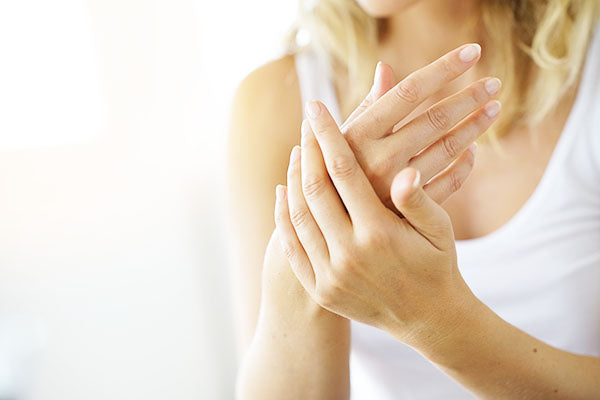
(504, 178)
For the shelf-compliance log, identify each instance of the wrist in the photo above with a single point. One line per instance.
(439, 333)
(452, 332)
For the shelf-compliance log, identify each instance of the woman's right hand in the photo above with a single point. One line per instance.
(386, 138)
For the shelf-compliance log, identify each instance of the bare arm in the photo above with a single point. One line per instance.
(295, 336)
(496, 360)
(300, 350)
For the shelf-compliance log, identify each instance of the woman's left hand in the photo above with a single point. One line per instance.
(357, 258)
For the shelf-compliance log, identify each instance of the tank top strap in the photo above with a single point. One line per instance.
(315, 82)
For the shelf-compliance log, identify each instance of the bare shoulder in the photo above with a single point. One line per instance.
(267, 106)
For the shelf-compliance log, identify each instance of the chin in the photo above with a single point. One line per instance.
(384, 8)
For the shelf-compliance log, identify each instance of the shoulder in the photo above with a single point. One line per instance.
(265, 123)
(268, 100)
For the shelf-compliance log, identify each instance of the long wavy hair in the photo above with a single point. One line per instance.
(539, 48)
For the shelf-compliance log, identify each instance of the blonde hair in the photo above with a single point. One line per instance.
(539, 48)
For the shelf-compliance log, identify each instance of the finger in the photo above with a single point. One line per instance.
(320, 194)
(354, 188)
(302, 220)
(382, 82)
(441, 117)
(398, 102)
(451, 180)
(440, 154)
(421, 212)
(291, 246)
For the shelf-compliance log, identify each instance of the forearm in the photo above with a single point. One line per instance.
(299, 349)
(494, 359)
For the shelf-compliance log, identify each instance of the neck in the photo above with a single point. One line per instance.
(425, 31)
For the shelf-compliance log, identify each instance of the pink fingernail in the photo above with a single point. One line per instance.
(470, 52)
(492, 86)
(376, 79)
(473, 148)
(492, 108)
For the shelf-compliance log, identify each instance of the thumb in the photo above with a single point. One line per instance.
(383, 81)
(420, 211)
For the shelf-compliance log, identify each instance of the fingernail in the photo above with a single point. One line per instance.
(313, 109)
(305, 127)
(492, 85)
(377, 71)
(376, 79)
(473, 148)
(417, 182)
(470, 52)
(492, 108)
(295, 154)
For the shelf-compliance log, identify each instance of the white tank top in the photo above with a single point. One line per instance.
(540, 271)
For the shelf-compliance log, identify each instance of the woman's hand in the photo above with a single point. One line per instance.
(354, 256)
(385, 137)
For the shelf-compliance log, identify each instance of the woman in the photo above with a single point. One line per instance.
(514, 312)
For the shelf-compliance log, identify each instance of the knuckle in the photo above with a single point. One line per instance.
(375, 238)
(299, 217)
(455, 181)
(378, 168)
(417, 201)
(438, 117)
(478, 94)
(343, 262)
(288, 251)
(342, 167)
(450, 146)
(447, 68)
(312, 185)
(408, 90)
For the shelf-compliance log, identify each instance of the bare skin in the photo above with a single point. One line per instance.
(262, 142)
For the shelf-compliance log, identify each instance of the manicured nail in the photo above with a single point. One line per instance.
(376, 79)
(492, 108)
(313, 109)
(417, 182)
(493, 85)
(377, 71)
(472, 148)
(295, 154)
(470, 52)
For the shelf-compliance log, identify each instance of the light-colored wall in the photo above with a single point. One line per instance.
(113, 250)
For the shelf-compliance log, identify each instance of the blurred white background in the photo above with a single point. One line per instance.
(113, 250)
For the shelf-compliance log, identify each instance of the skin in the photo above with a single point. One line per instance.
(384, 136)
(277, 338)
(358, 259)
